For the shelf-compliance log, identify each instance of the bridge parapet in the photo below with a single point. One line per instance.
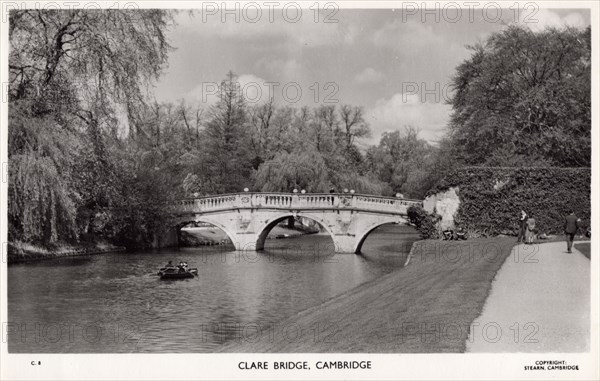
(294, 201)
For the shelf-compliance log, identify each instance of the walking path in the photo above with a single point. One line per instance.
(539, 302)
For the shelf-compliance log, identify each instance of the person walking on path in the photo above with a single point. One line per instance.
(530, 230)
(571, 226)
(522, 226)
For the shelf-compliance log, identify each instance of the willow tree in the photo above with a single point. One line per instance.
(86, 62)
(70, 72)
(288, 171)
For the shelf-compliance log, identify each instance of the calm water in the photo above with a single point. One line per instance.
(117, 303)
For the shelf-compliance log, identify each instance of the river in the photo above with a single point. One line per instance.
(115, 303)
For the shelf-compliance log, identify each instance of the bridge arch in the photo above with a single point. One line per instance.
(182, 221)
(362, 237)
(264, 230)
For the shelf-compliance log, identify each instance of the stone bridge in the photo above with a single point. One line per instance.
(247, 218)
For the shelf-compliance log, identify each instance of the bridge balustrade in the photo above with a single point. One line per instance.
(293, 201)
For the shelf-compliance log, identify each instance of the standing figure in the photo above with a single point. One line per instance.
(522, 226)
(530, 232)
(571, 225)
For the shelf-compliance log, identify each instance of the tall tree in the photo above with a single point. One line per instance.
(260, 120)
(354, 124)
(524, 98)
(227, 164)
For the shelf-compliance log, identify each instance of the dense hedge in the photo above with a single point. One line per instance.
(425, 223)
(491, 197)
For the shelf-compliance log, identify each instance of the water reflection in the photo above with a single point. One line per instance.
(116, 303)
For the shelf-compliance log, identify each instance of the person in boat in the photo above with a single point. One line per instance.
(183, 267)
(168, 266)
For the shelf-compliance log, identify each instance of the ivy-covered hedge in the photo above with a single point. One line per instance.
(491, 198)
(425, 223)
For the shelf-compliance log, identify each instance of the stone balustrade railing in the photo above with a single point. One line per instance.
(296, 201)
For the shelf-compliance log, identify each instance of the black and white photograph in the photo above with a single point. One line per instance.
(299, 190)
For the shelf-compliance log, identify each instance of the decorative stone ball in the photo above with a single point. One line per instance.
(246, 189)
(303, 191)
(295, 190)
(351, 190)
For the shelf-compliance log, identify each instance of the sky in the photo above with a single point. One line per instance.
(396, 65)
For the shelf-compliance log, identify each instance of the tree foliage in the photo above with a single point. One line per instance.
(404, 161)
(86, 63)
(425, 223)
(70, 72)
(311, 148)
(524, 99)
(288, 171)
(225, 165)
(42, 206)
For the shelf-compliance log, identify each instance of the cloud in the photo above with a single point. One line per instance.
(369, 75)
(253, 27)
(402, 36)
(408, 110)
(203, 94)
(539, 19)
(255, 89)
(287, 70)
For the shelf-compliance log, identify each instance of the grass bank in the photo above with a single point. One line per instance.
(425, 307)
(585, 249)
(19, 252)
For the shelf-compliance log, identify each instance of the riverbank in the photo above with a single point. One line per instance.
(20, 252)
(425, 307)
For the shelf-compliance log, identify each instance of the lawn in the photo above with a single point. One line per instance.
(585, 248)
(427, 306)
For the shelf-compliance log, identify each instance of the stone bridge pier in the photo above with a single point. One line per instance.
(247, 218)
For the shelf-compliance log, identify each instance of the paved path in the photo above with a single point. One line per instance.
(540, 300)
